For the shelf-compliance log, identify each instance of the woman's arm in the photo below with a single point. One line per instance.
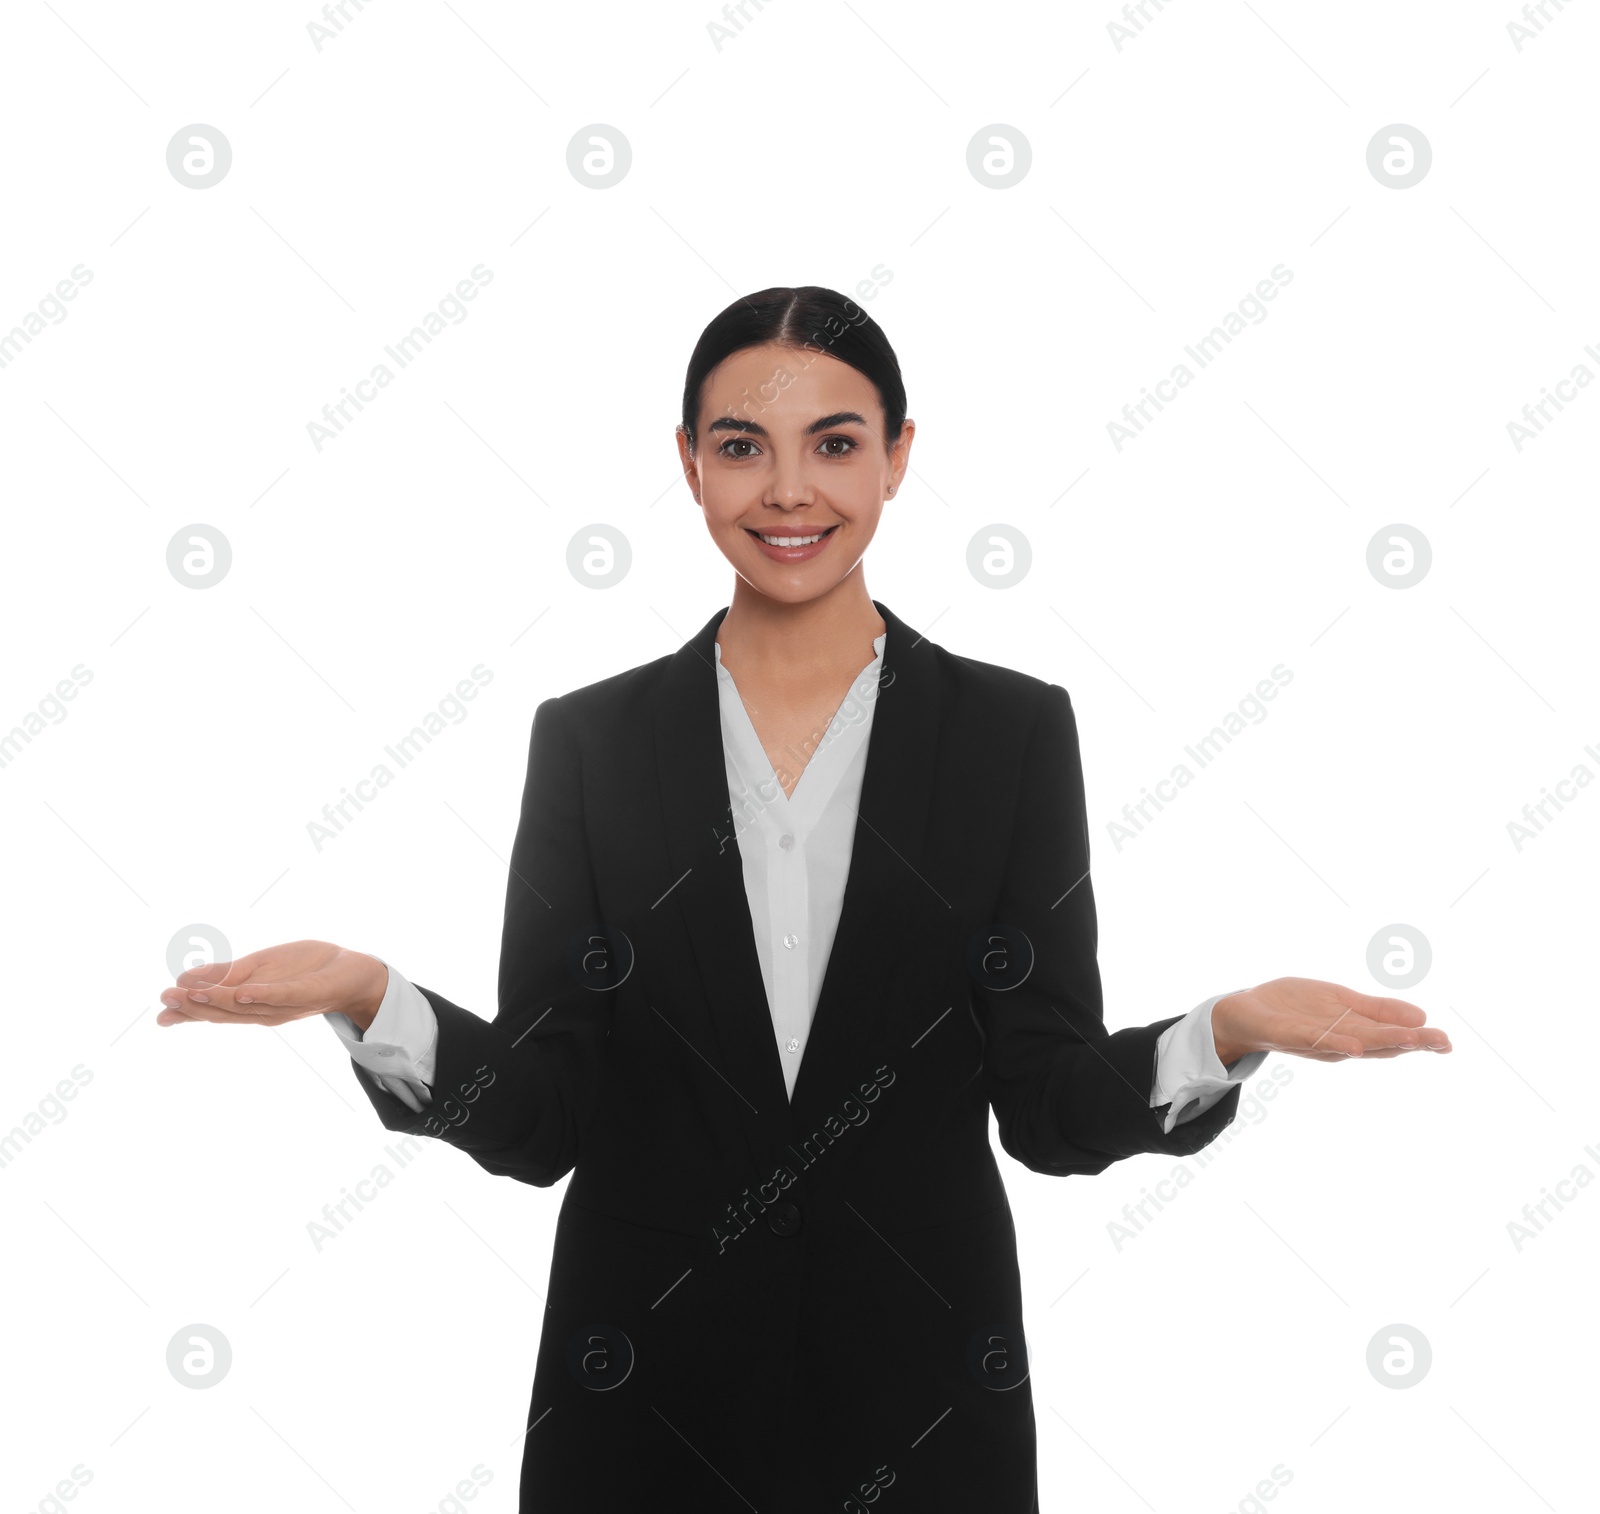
(514, 1092)
(1068, 1096)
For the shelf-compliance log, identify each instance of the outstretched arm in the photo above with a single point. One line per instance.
(515, 1092)
(1068, 1096)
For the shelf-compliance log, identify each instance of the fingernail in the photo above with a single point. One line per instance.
(243, 999)
(200, 998)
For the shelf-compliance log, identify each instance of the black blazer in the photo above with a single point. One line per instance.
(762, 1304)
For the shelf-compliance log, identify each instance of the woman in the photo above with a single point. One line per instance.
(790, 910)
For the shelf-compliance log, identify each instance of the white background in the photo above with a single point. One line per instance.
(825, 139)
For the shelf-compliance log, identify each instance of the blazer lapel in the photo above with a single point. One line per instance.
(886, 855)
(707, 888)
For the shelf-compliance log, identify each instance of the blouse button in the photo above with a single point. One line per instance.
(791, 940)
(786, 842)
(793, 1043)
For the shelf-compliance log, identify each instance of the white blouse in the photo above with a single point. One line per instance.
(795, 849)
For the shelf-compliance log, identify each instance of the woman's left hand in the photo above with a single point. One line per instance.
(1324, 1021)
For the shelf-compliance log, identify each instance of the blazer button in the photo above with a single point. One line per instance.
(784, 1218)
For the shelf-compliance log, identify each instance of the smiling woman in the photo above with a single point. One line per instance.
(785, 1273)
(793, 436)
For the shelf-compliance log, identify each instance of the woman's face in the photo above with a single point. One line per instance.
(789, 449)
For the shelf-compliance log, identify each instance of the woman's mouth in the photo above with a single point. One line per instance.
(791, 546)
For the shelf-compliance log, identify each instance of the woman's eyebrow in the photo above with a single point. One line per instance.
(755, 428)
(838, 418)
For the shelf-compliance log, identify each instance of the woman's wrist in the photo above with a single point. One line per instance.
(1230, 1046)
(363, 1009)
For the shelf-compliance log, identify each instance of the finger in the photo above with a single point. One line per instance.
(1387, 1011)
(212, 1003)
(181, 1014)
(1401, 1051)
(1376, 1034)
(1352, 1040)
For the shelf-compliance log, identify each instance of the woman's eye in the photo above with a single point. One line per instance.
(830, 446)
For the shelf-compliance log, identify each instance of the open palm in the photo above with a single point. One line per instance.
(1324, 1021)
(279, 984)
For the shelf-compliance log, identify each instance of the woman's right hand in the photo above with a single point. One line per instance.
(279, 984)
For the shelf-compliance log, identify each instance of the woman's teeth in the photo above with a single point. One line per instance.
(790, 541)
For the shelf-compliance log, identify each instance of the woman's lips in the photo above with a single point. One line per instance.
(792, 554)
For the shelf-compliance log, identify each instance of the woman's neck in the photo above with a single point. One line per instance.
(811, 639)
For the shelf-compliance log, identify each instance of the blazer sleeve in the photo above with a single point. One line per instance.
(1068, 1097)
(516, 1092)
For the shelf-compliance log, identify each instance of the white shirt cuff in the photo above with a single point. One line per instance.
(400, 1047)
(1189, 1074)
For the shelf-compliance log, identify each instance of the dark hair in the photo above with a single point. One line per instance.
(811, 318)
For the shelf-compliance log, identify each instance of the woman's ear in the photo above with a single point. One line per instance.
(899, 453)
(686, 458)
